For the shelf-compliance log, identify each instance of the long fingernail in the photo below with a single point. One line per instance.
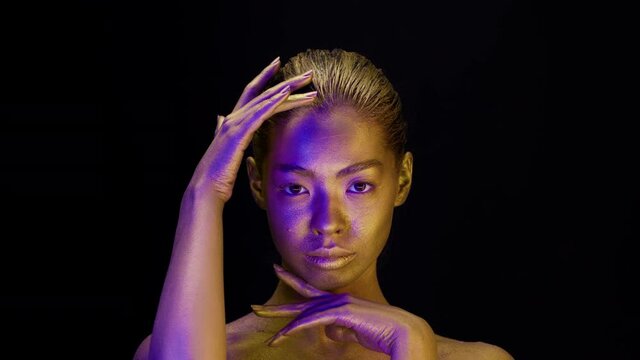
(311, 94)
(275, 61)
(307, 74)
(257, 307)
(274, 340)
(277, 267)
(269, 340)
(285, 90)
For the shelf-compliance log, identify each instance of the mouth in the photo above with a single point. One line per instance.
(330, 262)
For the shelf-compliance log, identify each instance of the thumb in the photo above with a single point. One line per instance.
(220, 121)
(340, 333)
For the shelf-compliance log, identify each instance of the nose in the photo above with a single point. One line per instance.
(329, 216)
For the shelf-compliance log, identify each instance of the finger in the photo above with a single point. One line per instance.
(295, 83)
(296, 100)
(255, 86)
(293, 101)
(332, 316)
(291, 310)
(341, 333)
(263, 111)
(287, 310)
(244, 128)
(300, 286)
(220, 121)
(249, 110)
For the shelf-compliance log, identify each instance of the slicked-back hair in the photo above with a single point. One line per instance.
(342, 78)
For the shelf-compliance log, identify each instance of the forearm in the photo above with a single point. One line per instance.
(190, 321)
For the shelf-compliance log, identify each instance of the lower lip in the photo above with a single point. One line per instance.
(330, 263)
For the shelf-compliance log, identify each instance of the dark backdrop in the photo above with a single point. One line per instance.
(514, 231)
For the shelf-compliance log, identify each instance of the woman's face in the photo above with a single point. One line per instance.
(315, 200)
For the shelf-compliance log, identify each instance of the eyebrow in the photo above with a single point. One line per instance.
(351, 169)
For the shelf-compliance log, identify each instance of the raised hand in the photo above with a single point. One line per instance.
(190, 320)
(378, 327)
(216, 172)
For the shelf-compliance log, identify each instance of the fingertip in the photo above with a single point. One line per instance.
(219, 122)
(270, 340)
(274, 64)
(275, 340)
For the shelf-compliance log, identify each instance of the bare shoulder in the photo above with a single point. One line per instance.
(450, 349)
(243, 336)
(238, 343)
(142, 353)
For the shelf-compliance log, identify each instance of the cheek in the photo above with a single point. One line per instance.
(374, 222)
(285, 225)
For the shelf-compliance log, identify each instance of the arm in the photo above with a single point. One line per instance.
(142, 353)
(190, 321)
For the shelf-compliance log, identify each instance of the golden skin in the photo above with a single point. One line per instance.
(322, 210)
(197, 254)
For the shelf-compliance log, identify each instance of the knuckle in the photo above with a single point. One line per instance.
(227, 127)
(222, 129)
(234, 133)
(349, 308)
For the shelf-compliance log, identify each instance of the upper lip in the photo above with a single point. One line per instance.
(330, 253)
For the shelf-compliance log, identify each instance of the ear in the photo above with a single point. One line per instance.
(404, 179)
(255, 182)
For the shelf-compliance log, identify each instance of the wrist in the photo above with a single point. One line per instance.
(200, 197)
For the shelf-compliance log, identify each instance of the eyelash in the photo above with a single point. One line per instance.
(284, 188)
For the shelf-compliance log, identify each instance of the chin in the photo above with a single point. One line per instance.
(329, 280)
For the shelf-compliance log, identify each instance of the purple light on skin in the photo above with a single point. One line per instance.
(336, 189)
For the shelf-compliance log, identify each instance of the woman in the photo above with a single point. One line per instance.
(329, 173)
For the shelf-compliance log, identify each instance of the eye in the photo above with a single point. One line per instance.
(291, 189)
(361, 187)
(296, 189)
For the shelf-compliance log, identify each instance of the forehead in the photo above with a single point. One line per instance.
(327, 140)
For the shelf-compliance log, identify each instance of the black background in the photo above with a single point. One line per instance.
(515, 232)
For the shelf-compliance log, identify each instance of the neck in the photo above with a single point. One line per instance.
(365, 287)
